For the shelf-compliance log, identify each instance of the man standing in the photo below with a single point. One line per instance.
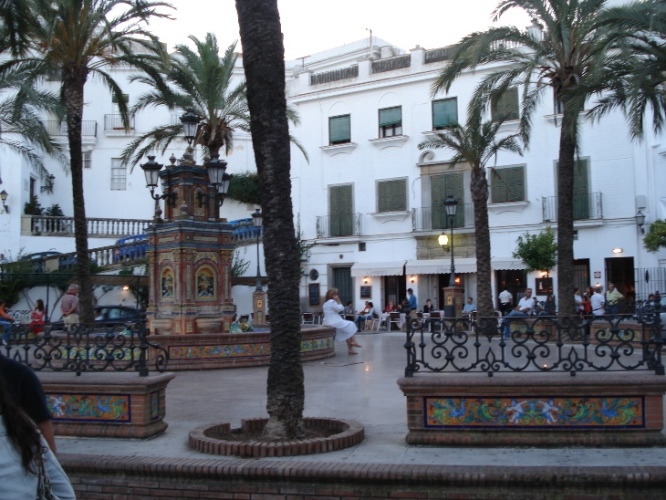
(26, 390)
(69, 306)
(413, 303)
(612, 299)
(505, 301)
(523, 309)
(597, 301)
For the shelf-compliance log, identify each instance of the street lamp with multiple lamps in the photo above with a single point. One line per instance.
(257, 219)
(451, 206)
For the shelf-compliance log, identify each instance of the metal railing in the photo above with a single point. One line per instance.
(115, 122)
(586, 207)
(397, 62)
(423, 218)
(339, 226)
(244, 230)
(45, 225)
(537, 344)
(56, 128)
(87, 348)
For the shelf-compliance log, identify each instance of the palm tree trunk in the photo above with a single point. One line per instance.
(565, 228)
(479, 191)
(263, 60)
(73, 97)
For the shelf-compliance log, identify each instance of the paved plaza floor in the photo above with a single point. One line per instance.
(361, 387)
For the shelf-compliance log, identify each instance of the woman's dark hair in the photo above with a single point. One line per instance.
(21, 431)
(39, 305)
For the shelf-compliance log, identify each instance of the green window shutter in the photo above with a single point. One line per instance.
(581, 188)
(506, 106)
(444, 113)
(441, 187)
(339, 129)
(508, 184)
(392, 196)
(340, 211)
(114, 98)
(390, 116)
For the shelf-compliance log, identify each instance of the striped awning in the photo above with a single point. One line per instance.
(440, 266)
(507, 264)
(394, 268)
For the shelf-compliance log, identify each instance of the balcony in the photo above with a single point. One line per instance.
(113, 124)
(59, 129)
(425, 219)
(398, 62)
(339, 226)
(586, 207)
(44, 225)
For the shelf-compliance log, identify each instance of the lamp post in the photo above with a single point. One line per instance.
(451, 206)
(257, 218)
(219, 179)
(190, 123)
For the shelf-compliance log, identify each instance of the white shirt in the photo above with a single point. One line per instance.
(16, 482)
(505, 297)
(597, 301)
(526, 303)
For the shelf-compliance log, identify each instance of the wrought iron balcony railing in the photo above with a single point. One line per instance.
(586, 207)
(337, 226)
(56, 129)
(435, 218)
(115, 122)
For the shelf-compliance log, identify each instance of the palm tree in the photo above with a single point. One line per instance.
(639, 78)
(76, 39)
(263, 60)
(23, 130)
(566, 59)
(475, 145)
(199, 81)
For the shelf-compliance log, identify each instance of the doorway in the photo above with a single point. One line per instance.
(342, 280)
(620, 270)
(513, 280)
(395, 290)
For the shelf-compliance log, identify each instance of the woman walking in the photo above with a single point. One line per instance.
(344, 330)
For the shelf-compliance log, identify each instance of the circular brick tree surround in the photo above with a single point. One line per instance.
(346, 433)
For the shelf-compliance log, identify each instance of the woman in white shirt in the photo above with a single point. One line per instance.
(344, 330)
(26, 462)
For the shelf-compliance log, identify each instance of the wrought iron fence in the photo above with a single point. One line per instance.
(538, 343)
(86, 348)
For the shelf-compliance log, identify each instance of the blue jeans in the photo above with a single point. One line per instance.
(507, 319)
(361, 320)
(6, 330)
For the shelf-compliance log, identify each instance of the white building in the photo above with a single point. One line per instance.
(369, 200)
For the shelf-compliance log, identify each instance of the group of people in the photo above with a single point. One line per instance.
(594, 302)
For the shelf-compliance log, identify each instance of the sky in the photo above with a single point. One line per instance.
(311, 26)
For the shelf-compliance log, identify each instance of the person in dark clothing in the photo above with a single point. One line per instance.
(26, 390)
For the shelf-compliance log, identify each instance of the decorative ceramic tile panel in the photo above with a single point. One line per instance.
(112, 408)
(535, 412)
(239, 350)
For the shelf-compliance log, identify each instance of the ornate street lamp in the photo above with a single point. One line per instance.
(190, 123)
(151, 170)
(451, 206)
(257, 218)
(218, 178)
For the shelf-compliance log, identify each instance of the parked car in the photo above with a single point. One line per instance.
(38, 259)
(110, 316)
(131, 247)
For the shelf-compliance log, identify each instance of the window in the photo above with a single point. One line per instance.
(339, 129)
(114, 98)
(118, 175)
(392, 196)
(441, 187)
(507, 184)
(390, 121)
(581, 187)
(506, 106)
(341, 216)
(444, 113)
(87, 159)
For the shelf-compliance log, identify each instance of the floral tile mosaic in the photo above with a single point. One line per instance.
(529, 412)
(90, 407)
(239, 350)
